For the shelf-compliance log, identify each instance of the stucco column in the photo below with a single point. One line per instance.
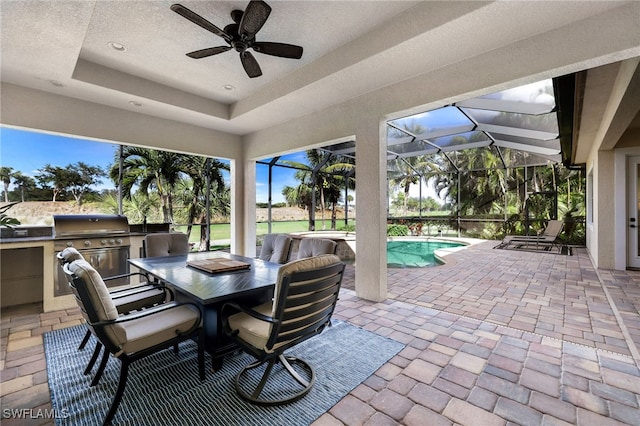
(238, 205)
(371, 211)
(247, 221)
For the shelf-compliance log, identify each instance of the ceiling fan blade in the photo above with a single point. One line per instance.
(282, 50)
(199, 20)
(250, 64)
(253, 18)
(203, 53)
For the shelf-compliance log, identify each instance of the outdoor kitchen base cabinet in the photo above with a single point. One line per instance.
(21, 275)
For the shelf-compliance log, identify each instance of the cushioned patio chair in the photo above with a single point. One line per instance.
(311, 247)
(132, 298)
(547, 238)
(276, 248)
(136, 335)
(305, 296)
(165, 244)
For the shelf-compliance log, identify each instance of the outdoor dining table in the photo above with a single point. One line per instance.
(210, 291)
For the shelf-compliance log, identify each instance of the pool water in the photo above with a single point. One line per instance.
(415, 254)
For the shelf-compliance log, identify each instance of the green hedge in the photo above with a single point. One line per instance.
(397, 230)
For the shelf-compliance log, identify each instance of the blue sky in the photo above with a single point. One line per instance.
(28, 151)
(281, 177)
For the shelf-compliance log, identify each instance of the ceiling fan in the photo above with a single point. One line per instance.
(241, 36)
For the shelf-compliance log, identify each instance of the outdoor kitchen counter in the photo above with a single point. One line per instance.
(27, 268)
(24, 239)
(28, 265)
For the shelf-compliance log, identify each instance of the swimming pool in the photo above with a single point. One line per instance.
(415, 254)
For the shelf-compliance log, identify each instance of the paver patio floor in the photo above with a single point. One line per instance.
(493, 337)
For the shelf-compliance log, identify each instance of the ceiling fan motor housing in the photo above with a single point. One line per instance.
(240, 36)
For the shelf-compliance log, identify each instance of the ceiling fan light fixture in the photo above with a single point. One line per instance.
(135, 104)
(119, 47)
(228, 87)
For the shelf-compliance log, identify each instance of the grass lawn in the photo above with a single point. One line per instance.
(222, 231)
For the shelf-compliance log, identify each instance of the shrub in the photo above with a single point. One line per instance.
(347, 228)
(397, 230)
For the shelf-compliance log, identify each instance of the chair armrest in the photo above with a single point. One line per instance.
(115, 277)
(248, 311)
(144, 313)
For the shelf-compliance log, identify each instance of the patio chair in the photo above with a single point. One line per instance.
(165, 244)
(311, 247)
(305, 296)
(276, 248)
(547, 238)
(132, 298)
(136, 335)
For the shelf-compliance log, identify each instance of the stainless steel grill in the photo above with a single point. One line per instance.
(103, 240)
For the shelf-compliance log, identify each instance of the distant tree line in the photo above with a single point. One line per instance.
(52, 183)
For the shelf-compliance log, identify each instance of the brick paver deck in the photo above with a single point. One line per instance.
(494, 337)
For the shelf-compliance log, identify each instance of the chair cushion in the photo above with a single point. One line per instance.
(166, 244)
(275, 248)
(142, 333)
(252, 330)
(310, 247)
(98, 293)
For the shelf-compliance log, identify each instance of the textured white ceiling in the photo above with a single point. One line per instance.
(350, 48)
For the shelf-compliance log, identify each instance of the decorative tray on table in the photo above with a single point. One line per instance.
(218, 265)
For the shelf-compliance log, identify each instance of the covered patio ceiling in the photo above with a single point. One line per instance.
(517, 127)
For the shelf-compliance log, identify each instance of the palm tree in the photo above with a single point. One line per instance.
(192, 192)
(137, 208)
(325, 174)
(301, 196)
(407, 176)
(6, 175)
(151, 169)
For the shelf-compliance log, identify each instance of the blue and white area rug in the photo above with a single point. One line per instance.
(164, 389)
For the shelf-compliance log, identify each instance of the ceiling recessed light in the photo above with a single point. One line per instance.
(56, 83)
(117, 46)
(228, 87)
(135, 103)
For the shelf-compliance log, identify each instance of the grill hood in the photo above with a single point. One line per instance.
(69, 226)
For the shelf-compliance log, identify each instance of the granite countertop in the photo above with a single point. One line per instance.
(27, 234)
(25, 239)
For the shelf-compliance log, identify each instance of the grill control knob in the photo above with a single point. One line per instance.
(87, 243)
(103, 242)
(111, 241)
(69, 244)
(119, 241)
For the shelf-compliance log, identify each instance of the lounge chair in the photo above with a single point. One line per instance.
(547, 239)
